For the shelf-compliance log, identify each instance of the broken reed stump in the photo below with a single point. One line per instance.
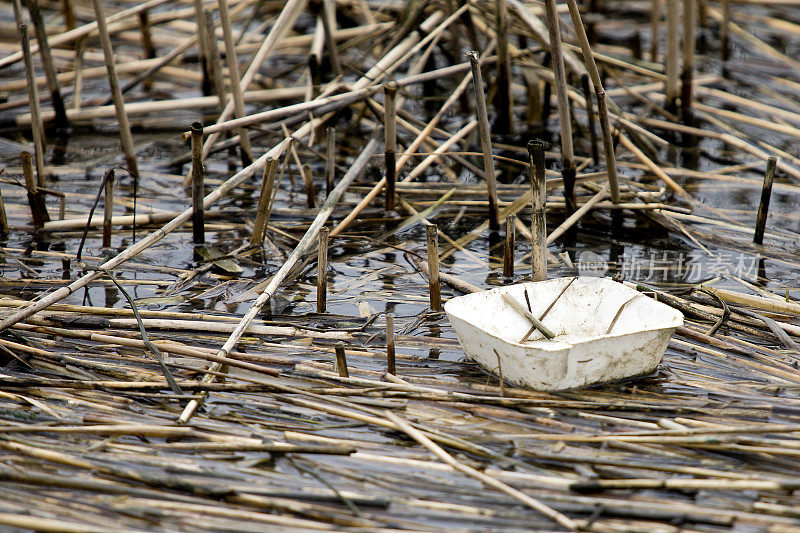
(536, 150)
(264, 202)
(391, 366)
(198, 185)
(35, 196)
(562, 98)
(390, 150)
(508, 255)
(108, 208)
(486, 140)
(322, 270)
(341, 361)
(763, 206)
(308, 179)
(37, 130)
(434, 286)
(3, 218)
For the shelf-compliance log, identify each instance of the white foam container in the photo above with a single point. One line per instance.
(583, 351)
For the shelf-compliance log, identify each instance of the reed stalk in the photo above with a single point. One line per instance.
(763, 206)
(119, 104)
(235, 81)
(37, 130)
(486, 140)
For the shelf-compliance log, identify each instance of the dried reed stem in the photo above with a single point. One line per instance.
(390, 155)
(234, 80)
(119, 104)
(434, 287)
(108, 208)
(37, 130)
(602, 107)
(322, 270)
(763, 206)
(508, 254)
(198, 185)
(264, 202)
(486, 140)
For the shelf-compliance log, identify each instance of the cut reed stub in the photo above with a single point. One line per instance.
(35, 197)
(536, 149)
(322, 270)
(341, 361)
(264, 202)
(3, 218)
(108, 208)
(391, 366)
(308, 180)
(434, 286)
(198, 185)
(508, 256)
(390, 134)
(763, 206)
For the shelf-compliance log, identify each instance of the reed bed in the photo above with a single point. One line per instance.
(227, 230)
